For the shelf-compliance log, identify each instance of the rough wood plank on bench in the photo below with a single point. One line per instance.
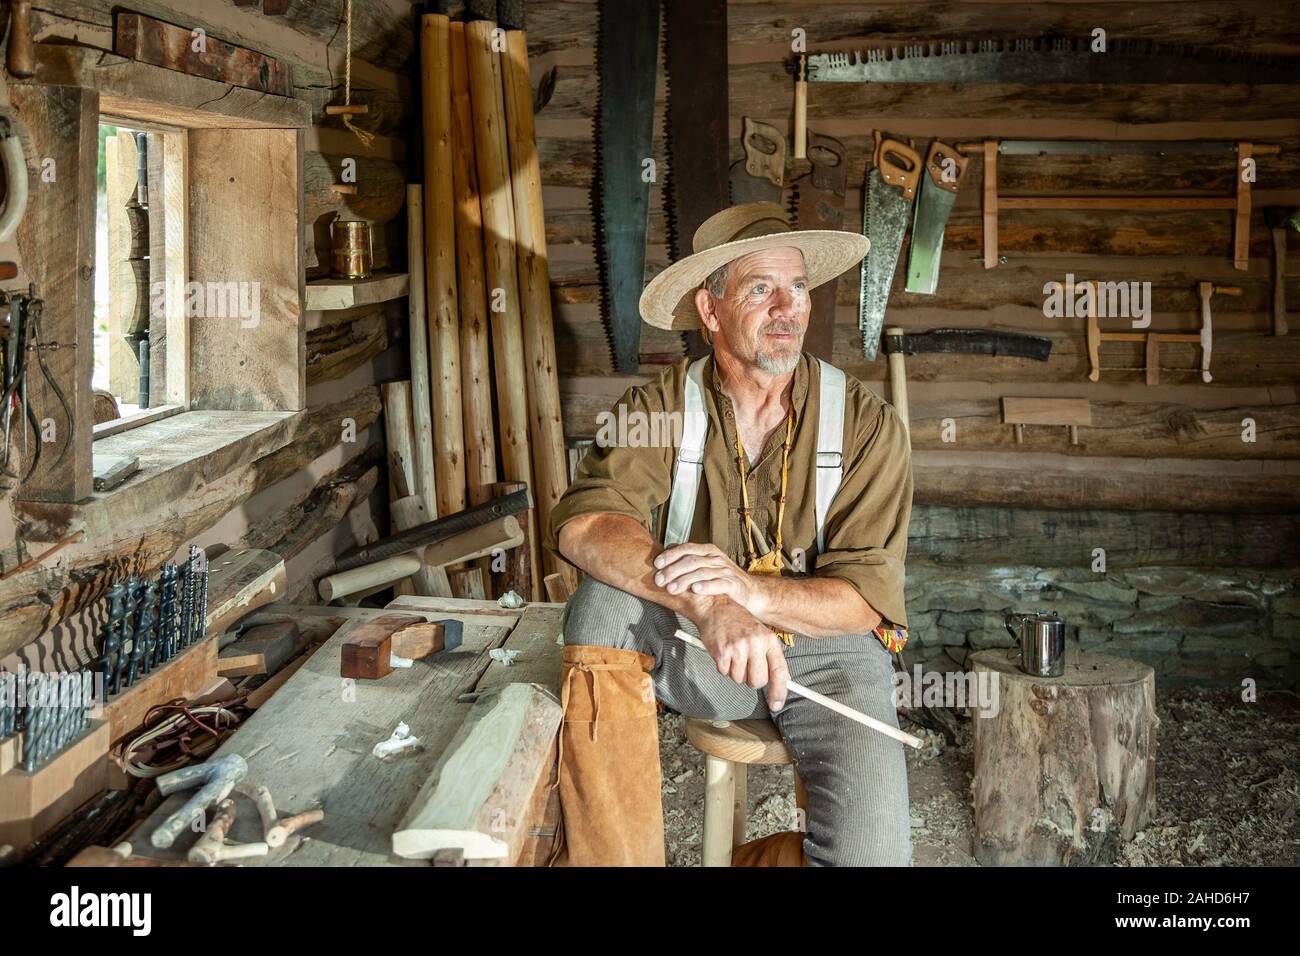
(414, 602)
(479, 799)
(240, 581)
(540, 657)
(540, 661)
(316, 618)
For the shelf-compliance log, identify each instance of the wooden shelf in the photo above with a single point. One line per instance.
(327, 294)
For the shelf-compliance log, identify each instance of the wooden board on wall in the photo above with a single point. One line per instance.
(247, 183)
(177, 48)
(56, 243)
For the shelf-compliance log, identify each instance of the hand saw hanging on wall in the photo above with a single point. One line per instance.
(627, 54)
(886, 208)
(944, 169)
(759, 175)
(818, 200)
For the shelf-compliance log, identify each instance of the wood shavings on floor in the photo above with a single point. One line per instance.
(1227, 785)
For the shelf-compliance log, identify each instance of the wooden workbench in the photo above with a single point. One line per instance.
(310, 744)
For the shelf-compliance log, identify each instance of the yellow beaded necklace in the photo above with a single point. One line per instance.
(770, 563)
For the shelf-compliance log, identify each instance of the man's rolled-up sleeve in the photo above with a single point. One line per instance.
(866, 530)
(618, 477)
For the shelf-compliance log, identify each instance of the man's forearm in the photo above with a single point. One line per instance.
(618, 551)
(818, 607)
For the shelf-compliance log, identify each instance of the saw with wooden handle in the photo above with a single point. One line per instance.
(890, 189)
(944, 169)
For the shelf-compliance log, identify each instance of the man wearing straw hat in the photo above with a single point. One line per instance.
(773, 526)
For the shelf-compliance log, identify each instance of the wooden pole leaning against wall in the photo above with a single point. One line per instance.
(514, 570)
(475, 363)
(406, 506)
(440, 263)
(492, 162)
(418, 337)
(550, 472)
(398, 440)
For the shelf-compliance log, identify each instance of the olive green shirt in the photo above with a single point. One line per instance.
(866, 527)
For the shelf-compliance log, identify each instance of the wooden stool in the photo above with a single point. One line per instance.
(729, 746)
(1065, 770)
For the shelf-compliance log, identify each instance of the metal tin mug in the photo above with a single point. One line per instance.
(1042, 643)
(353, 254)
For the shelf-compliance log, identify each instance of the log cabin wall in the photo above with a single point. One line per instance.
(310, 500)
(1196, 526)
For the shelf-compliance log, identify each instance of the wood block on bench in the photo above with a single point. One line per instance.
(369, 649)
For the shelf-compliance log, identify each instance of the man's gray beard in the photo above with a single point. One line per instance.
(775, 363)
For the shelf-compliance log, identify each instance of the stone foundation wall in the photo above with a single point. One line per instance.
(1195, 625)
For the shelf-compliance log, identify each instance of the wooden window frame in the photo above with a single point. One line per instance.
(59, 118)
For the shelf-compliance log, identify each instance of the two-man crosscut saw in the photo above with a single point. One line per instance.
(1049, 60)
(890, 189)
(696, 131)
(627, 52)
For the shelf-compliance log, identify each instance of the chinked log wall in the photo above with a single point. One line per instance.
(1200, 533)
(308, 500)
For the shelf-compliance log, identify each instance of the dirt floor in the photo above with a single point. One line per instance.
(1227, 786)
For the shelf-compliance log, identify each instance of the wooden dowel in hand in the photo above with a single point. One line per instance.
(816, 698)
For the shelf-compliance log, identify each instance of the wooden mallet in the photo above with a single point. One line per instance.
(835, 705)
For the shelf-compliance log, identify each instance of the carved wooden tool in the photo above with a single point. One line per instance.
(1152, 340)
(21, 55)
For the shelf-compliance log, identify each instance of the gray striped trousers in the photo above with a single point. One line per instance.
(855, 777)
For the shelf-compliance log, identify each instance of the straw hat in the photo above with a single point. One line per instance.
(668, 302)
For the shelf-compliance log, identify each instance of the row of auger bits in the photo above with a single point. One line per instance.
(149, 623)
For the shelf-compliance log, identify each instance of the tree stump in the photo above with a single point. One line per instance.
(1065, 766)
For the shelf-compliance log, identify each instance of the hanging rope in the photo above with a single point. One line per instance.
(365, 137)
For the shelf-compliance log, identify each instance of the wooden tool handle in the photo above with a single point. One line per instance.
(1094, 348)
(1206, 290)
(899, 165)
(1232, 290)
(898, 381)
(764, 151)
(940, 160)
(1279, 281)
(21, 59)
(801, 110)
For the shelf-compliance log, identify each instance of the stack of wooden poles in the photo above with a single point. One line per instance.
(480, 312)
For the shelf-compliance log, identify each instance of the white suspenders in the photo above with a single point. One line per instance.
(695, 427)
(690, 458)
